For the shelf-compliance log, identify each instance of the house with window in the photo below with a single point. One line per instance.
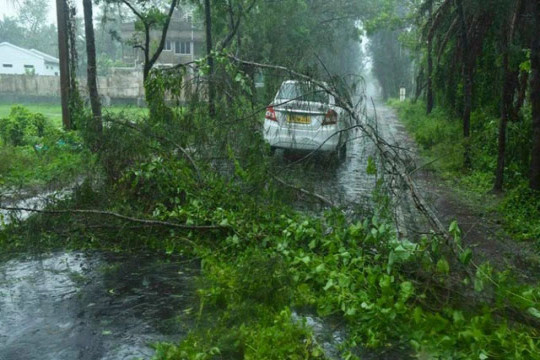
(18, 60)
(184, 41)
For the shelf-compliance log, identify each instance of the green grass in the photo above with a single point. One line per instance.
(23, 167)
(54, 111)
(51, 111)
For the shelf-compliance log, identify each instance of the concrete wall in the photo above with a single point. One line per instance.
(121, 85)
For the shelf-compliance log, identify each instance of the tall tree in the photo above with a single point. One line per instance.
(429, 101)
(92, 69)
(209, 48)
(507, 94)
(63, 51)
(149, 19)
(535, 94)
(467, 71)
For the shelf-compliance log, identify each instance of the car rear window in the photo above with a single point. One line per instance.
(303, 92)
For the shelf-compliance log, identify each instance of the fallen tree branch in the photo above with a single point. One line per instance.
(391, 156)
(386, 150)
(146, 222)
(165, 139)
(305, 192)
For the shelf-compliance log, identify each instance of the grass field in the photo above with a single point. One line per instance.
(54, 111)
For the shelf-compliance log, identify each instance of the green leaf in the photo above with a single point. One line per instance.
(407, 289)
(466, 256)
(328, 285)
(443, 267)
(478, 284)
(534, 312)
(371, 167)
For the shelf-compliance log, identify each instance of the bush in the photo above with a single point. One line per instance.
(520, 209)
(35, 152)
(22, 127)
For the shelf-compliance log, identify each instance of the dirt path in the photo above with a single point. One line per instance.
(481, 228)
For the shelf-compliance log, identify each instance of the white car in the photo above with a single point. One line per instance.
(305, 117)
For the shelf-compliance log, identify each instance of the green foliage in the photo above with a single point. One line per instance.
(520, 209)
(271, 259)
(34, 152)
(269, 337)
(22, 127)
(341, 272)
(120, 147)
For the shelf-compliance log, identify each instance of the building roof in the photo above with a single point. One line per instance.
(32, 52)
(47, 57)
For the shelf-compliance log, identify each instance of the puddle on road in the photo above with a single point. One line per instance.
(346, 182)
(92, 305)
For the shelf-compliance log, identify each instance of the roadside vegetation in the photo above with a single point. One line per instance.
(439, 138)
(53, 112)
(35, 152)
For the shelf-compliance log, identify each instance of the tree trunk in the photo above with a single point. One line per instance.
(419, 84)
(506, 110)
(211, 87)
(468, 71)
(429, 102)
(522, 93)
(535, 96)
(96, 125)
(63, 55)
(467, 108)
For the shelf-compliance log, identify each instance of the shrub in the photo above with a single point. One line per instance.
(520, 209)
(22, 127)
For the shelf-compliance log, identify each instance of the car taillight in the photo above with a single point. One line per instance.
(330, 118)
(270, 114)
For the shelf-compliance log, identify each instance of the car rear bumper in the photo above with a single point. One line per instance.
(323, 139)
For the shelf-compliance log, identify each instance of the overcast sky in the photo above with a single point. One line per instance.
(9, 8)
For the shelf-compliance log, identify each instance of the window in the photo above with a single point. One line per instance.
(7, 65)
(303, 92)
(182, 47)
(28, 66)
(168, 45)
(188, 16)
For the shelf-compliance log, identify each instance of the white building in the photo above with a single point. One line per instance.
(16, 60)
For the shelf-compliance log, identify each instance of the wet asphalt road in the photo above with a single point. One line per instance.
(92, 306)
(348, 182)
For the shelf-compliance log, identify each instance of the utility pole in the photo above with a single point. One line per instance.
(61, 18)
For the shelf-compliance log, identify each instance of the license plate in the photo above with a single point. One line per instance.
(298, 119)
